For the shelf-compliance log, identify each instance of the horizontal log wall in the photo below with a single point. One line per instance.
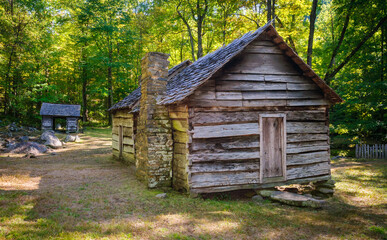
(125, 119)
(262, 76)
(224, 118)
(180, 128)
(225, 154)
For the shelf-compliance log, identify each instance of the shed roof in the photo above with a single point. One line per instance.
(60, 110)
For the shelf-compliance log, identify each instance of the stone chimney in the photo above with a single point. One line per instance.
(154, 145)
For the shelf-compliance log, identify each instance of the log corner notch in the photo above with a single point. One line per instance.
(305, 68)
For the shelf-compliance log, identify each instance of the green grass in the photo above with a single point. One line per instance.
(83, 194)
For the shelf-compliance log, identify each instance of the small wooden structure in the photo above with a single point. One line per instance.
(249, 115)
(50, 112)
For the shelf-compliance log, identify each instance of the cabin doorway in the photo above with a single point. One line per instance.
(272, 148)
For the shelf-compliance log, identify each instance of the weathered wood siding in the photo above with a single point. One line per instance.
(126, 120)
(224, 115)
(47, 123)
(71, 124)
(179, 119)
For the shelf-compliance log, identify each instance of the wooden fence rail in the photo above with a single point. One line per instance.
(376, 151)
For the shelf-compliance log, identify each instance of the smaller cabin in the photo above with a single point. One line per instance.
(50, 112)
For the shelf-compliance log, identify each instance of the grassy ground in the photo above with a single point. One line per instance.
(81, 193)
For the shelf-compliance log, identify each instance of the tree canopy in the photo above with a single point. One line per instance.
(88, 52)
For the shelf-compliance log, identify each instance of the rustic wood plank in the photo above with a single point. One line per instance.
(128, 149)
(263, 49)
(308, 115)
(115, 145)
(128, 141)
(127, 131)
(224, 167)
(307, 158)
(292, 138)
(308, 149)
(308, 170)
(223, 179)
(287, 79)
(264, 103)
(229, 95)
(262, 43)
(215, 103)
(306, 127)
(271, 147)
(203, 95)
(226, 156)
(302, 86)
(242, 77)
(213, 117)
(123, 114)
(311, 102)
(126, 122)
(306, 144)
(226, 130)
(258, 186)
(225, 143)
(248, 86)
(257, 95)
(264, 64)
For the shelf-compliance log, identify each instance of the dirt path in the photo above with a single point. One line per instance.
(83, 193)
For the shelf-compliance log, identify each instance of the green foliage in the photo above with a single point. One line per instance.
(89, 52)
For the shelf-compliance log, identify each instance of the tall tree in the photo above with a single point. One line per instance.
(312, 19)
(197, 12)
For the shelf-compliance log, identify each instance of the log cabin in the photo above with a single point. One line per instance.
(50, 112)
(249, 115)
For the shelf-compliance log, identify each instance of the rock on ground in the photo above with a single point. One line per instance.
(27, 148)
(161, 195)
(50, 139)
(296, 199)
(72, 138)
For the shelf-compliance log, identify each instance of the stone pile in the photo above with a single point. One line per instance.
(324, 188)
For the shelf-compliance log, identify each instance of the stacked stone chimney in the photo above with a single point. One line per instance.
(154, 145)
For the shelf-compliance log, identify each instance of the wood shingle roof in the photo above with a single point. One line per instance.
(60, 110)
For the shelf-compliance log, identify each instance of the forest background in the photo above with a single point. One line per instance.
(88, 52)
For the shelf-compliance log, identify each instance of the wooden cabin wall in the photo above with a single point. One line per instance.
(125, 119)
(179, 118)
(224, 114)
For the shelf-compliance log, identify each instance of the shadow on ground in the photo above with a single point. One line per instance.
(82, 193)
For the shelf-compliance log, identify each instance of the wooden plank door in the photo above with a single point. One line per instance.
(272, 148)
(120, 140)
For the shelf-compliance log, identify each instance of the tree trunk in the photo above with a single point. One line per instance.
(336, 50)
(268, 4)
(191, 40)
(273, 13)
(332, 74)
(311, 32)
(110, 80)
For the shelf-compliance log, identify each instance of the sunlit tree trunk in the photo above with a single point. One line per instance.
(311, 32)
